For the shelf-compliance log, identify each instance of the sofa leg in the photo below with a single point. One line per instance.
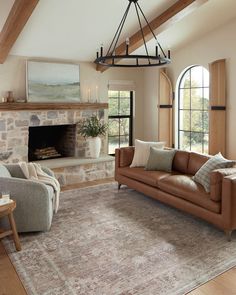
(119, 186)
(228, 235)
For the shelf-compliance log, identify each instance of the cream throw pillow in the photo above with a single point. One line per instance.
(142, 151)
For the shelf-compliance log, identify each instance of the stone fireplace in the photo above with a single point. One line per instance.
(21, 124)
(49, 142)
(16, 126)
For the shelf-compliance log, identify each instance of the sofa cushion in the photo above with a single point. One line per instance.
(142, 150)
(184, 187)
(195, 162)
(4, 172)
(160, 160)
(180, 161)
(148, 177)
(215, 162)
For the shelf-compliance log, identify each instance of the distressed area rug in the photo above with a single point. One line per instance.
(109, 242)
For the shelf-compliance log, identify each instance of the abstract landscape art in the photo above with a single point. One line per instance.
(52, 82)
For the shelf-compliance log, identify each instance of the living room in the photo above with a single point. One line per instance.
(85, 220)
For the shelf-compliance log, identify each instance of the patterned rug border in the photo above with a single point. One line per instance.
(231, 264)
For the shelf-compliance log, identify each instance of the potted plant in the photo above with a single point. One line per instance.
(91, 129)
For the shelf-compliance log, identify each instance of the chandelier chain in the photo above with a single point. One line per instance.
(144, 42)
(119, 30)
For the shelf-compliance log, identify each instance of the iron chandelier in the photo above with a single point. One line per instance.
(115, 59)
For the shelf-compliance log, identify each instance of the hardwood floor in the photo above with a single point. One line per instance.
(10, 283)
(87, 184)
(224, 284)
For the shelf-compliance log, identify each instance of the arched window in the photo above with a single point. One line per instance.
(193, 115)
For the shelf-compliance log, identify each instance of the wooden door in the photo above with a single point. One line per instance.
(165, 112)
(217, 112)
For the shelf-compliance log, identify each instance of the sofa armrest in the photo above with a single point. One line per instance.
(33, 203)
(124, 156)
(229, 201)
(216, 179)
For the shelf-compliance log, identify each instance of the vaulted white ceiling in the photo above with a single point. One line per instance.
(74, 29)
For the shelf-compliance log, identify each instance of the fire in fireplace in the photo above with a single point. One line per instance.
(47, 142)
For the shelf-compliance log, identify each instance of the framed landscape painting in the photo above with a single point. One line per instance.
(52, 82)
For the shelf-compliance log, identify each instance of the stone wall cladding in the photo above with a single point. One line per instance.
(14, 130)
(83, 173)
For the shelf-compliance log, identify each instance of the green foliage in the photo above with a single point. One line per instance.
(194, 116)
(92, 127)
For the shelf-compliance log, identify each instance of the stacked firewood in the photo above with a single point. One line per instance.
(46, 153)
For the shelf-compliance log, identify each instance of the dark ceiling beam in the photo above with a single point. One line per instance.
(16, 20)
(172, 15)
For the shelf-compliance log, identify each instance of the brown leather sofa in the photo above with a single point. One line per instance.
(179, 190)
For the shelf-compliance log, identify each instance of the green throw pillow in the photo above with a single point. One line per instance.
(160, 159)
(4, 172)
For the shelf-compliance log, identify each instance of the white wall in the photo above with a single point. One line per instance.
(13, 77)
(220, 43)
(150, 100)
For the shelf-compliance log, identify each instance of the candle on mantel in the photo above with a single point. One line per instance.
(96, 88)
(89, 94)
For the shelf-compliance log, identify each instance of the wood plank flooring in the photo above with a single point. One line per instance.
(224, 284)
(87, 184)
(10, 283)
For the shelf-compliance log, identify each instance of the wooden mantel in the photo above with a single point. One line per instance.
(51, 106)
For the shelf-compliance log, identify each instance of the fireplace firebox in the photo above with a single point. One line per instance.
(47, 142)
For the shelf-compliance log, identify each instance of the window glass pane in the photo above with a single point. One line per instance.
(184, 120)
(113, 127)
(124, 126)
(194, 124)
(184, 140)
(185, 82)
(196, 99)
(119, 127)
(205, 142)
(184, 99)
(206, 98)
(113, 143)
(114, 94)
(113, 106)
(196, 77)
(196, 141)
(205, 122)
(124, 106)
(125, 94)
(124, 141)
(196, 121)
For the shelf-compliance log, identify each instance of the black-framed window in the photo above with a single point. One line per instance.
(120, 119)
(193, 114)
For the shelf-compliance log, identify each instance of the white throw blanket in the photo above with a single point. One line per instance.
(34, 171)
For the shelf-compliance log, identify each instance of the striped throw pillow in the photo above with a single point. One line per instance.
(216, 162)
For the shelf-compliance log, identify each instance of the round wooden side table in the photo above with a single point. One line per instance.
(7, 210)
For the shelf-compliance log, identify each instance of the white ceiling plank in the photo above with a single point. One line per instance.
(74, 29)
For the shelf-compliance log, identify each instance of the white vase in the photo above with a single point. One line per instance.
(94, 146)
